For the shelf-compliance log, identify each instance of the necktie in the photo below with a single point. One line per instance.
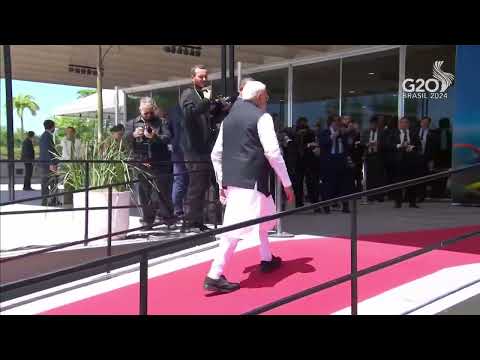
(424, 141)
(422, 133)
(405, 138)
(337, 146)
(72, 150)
(443, 140)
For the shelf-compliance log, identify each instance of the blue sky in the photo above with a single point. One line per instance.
(47, 96)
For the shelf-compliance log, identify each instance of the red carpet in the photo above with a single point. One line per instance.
(306, 263)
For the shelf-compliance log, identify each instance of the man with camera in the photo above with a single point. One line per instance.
(148, 138)
(197, 144)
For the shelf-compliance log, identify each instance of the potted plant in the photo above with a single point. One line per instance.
(101, 174)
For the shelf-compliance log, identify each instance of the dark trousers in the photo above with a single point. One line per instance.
(199, 183)
(375, 174)
(49, 182)
(337, 178)
(423, 171)
(443, 162)
(68, 198)
(305, 171)
(405, 169)
(180, 183)
(389, 167)
(357, 177)
(154, 192)
(27, 180)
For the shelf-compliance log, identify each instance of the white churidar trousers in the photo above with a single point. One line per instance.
(242, 205)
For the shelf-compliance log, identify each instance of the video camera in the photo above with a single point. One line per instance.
(222, 103)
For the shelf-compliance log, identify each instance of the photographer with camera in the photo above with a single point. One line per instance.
(148, 138)
(197, 143)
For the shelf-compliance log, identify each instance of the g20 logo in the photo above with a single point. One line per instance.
(420, 85)
(436, 86)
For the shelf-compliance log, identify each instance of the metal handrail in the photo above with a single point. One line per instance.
(166, 247)
(359, 273)
(83, 161)
(60, 193)
(87, 208)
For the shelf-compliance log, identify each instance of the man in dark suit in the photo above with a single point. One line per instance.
(197, 143)
(404, 146)
(306, 166)
(337, 177)
(443, 157)
(28, 153)
(180, 180)
(48, 170)
(372, 139)
(356, 151)
(430, 146)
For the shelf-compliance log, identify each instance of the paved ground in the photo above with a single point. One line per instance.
(379, 218)
(374, 218)
(468, 307)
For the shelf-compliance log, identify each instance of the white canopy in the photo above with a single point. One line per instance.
(87, 106)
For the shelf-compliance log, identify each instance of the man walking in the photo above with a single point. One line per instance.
(244, 153)
(48, 169)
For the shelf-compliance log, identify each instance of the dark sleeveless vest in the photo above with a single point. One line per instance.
(243, 159)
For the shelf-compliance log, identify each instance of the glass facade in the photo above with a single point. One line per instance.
(316, 92)
(277, 86)
(360, 86)
(370, 86)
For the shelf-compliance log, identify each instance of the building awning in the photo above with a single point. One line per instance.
(87, 106)
(128, 66)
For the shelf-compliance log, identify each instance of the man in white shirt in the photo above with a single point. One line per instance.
(405, 146)
(72, 149)
(244, 153)
(71, 146)
(374, 158)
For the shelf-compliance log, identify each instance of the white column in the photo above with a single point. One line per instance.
(116, 105)
(124, 107)
(239, 74)
(340, 89)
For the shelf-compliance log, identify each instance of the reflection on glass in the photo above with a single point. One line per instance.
(166, 98)
(277, 87)
(370, 86)
(316, 92)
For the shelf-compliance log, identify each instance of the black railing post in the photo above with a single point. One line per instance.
(143, 284)
(10, 137)
(109, 239)
(223, 66)
(87, 185)
(353, 258)
(231, 70)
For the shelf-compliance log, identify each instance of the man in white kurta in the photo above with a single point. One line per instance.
(244, 204)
